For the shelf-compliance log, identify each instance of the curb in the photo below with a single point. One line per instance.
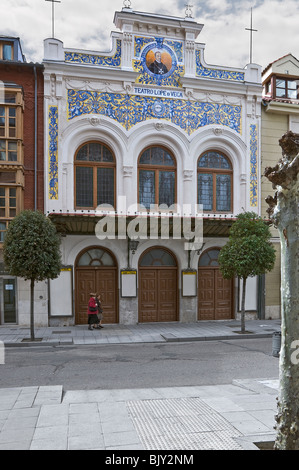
(29, 344)
(166, 337)
(169, 337)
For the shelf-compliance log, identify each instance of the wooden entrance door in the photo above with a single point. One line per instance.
(96, 271)
(214, 295)
(100, 280)
(158, 294)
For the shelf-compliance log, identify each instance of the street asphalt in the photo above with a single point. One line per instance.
(235, 416)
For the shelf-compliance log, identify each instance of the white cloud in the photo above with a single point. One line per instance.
(87, 25)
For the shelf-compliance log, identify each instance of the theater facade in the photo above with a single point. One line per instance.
(150, 154)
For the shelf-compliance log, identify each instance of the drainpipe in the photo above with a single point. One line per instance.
(35, 138)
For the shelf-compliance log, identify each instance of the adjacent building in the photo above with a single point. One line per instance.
(21, 166)
(147, 146)
(280, 113)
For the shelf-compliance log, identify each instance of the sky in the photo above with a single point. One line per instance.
(87, 24)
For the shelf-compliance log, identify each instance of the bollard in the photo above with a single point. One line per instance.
(2, 353)
(276, 343)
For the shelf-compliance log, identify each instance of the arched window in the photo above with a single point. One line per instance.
(209, 258)
(214, 182)
(157, 257)
(96, 257)
(94, 176)
(157, 177)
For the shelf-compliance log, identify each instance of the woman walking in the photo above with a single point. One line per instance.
(92, 312)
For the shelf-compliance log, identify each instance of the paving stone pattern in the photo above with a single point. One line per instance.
(182, 424)
(175, 418)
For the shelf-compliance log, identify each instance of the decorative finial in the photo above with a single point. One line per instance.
(127, 3)
(188, 11)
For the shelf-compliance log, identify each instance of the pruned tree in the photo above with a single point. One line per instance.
(31, 251)
(284, 212)
(248, 252)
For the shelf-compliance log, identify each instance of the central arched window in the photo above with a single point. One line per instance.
(157, 257)
(94, 176)
(214, 182)
(157, 177)
(96, 257)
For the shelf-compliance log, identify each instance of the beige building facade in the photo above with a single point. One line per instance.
(280, 113)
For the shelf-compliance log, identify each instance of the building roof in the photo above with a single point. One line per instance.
(277, 60)
(18, 52)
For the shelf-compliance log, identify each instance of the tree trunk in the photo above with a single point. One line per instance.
(243, 306)
(285, 215)
(32, 310)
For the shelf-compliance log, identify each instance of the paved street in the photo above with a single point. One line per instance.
(139, 365)
(230, 416)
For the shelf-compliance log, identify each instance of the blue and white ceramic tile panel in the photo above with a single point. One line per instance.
(253, 166)
(129, 110)
(93, 59)
(53, 152)
(217, 74)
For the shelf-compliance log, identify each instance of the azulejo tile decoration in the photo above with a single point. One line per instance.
(92, 59)
(53, 152)
(158, 61)
(129, 110)
(253, 165)
(218, 74)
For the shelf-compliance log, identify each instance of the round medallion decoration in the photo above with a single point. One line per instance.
(158, 59)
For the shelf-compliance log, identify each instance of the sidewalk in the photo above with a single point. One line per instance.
(219, 417)
(145, 333)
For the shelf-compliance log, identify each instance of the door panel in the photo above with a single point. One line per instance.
(214, 295)
(223, 297)
(148, 296)
(206, 295)
(158, 295)
(106, 286)
(85, 283)
(167, 294)
(102, 281)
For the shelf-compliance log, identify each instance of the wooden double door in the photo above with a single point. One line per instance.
(215, 295)
(101, 280)
(158, 294)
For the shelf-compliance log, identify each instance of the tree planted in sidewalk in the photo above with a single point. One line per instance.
(248, 252)
(31, 251)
